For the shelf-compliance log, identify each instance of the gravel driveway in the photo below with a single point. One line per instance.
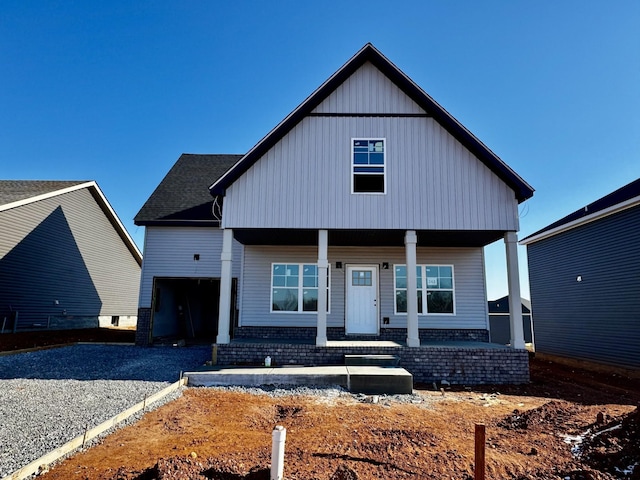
(49, 397)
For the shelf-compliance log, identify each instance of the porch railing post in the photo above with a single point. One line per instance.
(515, 301)
(224, 311)
(323, 268)
(413, 335)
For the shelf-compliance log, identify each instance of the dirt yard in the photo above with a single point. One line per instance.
(568, 423)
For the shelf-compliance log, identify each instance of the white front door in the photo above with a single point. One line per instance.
(362, 299)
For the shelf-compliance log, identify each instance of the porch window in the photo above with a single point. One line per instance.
(294, 287)
(435, 289)
(368, 165)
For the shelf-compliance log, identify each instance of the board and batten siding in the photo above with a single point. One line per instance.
(368, 90)
(64, 249)
(432, 181)
(597, 318)
(169, 251)
(470, 297)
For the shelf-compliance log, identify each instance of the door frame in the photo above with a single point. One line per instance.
(347, 284)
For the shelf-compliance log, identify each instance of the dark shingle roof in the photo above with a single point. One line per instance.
(16, 190)
(501, 305)
(183, 195)
(629, 191)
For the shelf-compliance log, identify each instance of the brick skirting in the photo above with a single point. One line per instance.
(338, 333)
(471, 365)
(143, 327)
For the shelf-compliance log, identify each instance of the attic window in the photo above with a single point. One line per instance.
(368, 165)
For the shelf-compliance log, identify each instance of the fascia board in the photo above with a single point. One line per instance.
(632, 202)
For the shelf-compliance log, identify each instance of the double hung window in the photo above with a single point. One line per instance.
(294, 287)
(368, 165)
(434, 292)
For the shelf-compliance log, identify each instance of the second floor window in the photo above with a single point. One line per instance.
(368, 165)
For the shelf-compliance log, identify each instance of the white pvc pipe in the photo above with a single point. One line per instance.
(278, 436)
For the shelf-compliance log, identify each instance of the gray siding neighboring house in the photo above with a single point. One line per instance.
(303, 210)
(499, 320)
(584, 273)
(66, 260)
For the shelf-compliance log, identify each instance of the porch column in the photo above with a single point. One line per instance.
(323, 267)
(410, 242)
(515, 301)
(224, 309)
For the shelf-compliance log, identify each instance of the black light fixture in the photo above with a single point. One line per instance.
(338, 264)
(196, 257)
(385, 265)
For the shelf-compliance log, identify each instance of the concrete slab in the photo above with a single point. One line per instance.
(379, 380)
(367, 379)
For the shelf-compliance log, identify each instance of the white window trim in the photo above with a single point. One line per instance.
(300, 290)
(384, 165)
(424, 290)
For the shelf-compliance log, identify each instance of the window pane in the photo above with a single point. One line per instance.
(292, 281)
(279, 281)
(401, 282)
(360, 158)
(401, 270)
(419, 276)
(279, 269)
(292, 269)
(376, 159)
(310, 281)
(419, 301)
(439, 302)
(368, 183)
(446, 283)
(310, 300)
(401, 301)
(446, 272)
(285, 299)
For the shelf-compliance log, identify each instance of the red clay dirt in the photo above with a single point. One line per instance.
(568, 423)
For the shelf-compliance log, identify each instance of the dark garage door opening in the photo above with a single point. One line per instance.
(187, 309)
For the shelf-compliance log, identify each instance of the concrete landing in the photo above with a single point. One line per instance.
(358, 379)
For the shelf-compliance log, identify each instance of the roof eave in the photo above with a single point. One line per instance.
(536, 237)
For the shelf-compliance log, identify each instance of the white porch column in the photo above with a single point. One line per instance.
(515, 301)
(323, 266)
(224, 311)
(410, 242)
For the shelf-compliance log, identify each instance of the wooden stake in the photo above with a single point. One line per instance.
(480, 441)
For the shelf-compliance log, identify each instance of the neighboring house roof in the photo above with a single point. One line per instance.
(369, 53)
(621, 199)
(16, 193)
(501, 306)
(182, 197)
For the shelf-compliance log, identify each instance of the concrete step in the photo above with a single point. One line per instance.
(358, 379)
(372, 360)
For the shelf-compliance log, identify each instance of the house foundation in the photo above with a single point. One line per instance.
(458, 363)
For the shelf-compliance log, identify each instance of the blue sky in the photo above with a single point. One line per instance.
(116, 91)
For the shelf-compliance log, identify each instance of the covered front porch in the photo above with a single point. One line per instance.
(388, 264)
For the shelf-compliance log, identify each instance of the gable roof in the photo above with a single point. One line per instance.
(369, 53)
(182, 197)
(16, 193)
(501, 305)
(621, 199)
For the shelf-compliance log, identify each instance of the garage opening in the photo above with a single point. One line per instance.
(187, 309)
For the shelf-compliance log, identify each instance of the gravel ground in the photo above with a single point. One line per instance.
(49, 397)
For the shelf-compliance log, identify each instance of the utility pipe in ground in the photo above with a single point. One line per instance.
(278, 436)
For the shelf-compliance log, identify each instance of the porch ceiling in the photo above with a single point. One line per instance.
(366, 238)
